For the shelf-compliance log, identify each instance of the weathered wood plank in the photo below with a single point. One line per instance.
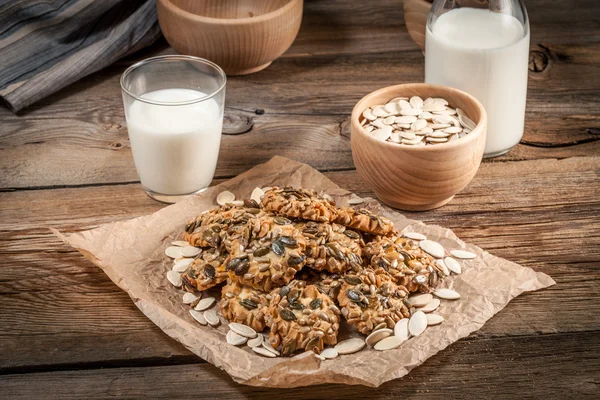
(52, 298)
(526, 367)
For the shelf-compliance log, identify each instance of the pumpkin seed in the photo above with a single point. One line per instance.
(316, 303)
(431, 306)
(248, 304)
(278, 248)
(287, 315)
(211, 317)
(378, 335)
(175, 278)
(180, 243)
(205, 304)
(189, 298)
(419, 300)
(225, 197)
(173, 251)
(257, 194)
(453, 265)
(199, 317)
(329, 353)
(190, 251)
(463, 254)
(352, 280)
(355, 201)
(446, 294)
(235, 339)
(288, 241)
(349, 346)
(417, 323)
(433, 248)
(388, 343)
(434, 319)
(261, 251)
(182, 264)
(282, 221)
(263, 351)
(269, 347)
(257, 341)
(243, 330)
(443, 266)
(401, 329)
(414, 236)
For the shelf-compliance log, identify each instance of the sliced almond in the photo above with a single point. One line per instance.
(453, 265)
(198, 316)
(264, 352)
(463, 254)
(446, 294)
(434, 319)
(257, 341)
(417, 323)
(388, 343)
(378, 335)
(350, 346)
(225, 197)
(329, 353)
(189, 298)
(419, 300)
(242, 329)
(401, 329)
(433, 248)
(431, 306)
(205, 304)
(175, 278)
(414, 235)
(211, 317)
(173, 251)
(235, 339)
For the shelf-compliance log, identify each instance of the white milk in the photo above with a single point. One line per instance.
(175, 148)
(485, 54)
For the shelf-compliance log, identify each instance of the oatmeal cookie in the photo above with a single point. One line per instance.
(302, 318)
(206, 271)
(299, 203)
(405, 262)
(370, 300)
(331, 247)
(244, 305)
(272, 257)
(365, 221)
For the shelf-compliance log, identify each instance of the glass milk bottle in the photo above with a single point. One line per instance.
(482, 47)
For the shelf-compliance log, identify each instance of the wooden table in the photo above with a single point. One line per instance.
(67, 331)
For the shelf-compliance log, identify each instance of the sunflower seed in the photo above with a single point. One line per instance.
(446, 294)
(463, 254)
(242, 329)
(401, 329)
(414, 235)
(180, 243)
(205, 304)
(235, 339)
(431, 306)
(189, 298)
(269, 347)
(378, 335)
(434, 319)
(263, 352)
(433, 248)
(182, 265)
(225, 197)
(173, 251)
(175, 278)
(349, 346)
(257, 194)
(388, 343)
(453, 265)
(329, 353)
(419, 300)
(211, 317)
(417, 323)
(190, 251)
(198, 316)
(257, 341)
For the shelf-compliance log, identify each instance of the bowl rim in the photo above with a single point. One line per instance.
(230, 21)
(359, 108)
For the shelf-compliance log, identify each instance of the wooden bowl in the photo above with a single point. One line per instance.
(415, 18)
(418, 178)
(241, 36)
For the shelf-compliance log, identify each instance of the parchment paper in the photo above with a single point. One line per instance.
(131, 253)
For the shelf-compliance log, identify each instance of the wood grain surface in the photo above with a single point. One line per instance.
(68, 332)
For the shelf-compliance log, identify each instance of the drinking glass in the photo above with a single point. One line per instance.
(174, 111)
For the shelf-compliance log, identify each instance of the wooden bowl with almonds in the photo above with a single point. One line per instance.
(409, 174)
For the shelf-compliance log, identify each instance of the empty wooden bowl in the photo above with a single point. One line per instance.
(418, 178)
(241, 36)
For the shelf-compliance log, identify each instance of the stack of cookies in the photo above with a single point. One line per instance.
(297, 264)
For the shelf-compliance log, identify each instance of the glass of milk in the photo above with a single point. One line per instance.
(174, 110)
(482, 47)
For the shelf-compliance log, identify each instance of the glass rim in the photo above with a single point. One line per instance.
(173, 57)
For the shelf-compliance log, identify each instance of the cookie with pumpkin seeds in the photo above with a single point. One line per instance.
(206, 271)
(272, 257)
(364, 220)
(405, 262)
(370, 300)
(302, 318)
(299, 203)
(244, 305)
(331, 247)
